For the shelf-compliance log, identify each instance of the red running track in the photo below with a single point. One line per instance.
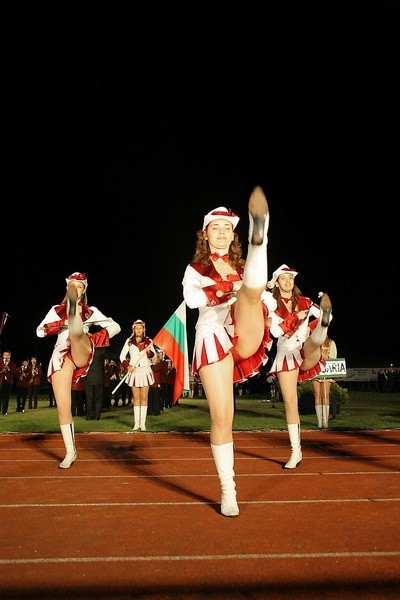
(137, 516)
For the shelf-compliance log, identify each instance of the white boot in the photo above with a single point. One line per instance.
(143, 415)
(136, 416)
(319, 334)
(325, 416)
(255, 273)
(223, 458)
(296, 455)
(69, 442)
(318, 410)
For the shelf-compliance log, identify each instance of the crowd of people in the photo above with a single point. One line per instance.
(92, 394)
(25, 379)
(245, 321)
(389, 380)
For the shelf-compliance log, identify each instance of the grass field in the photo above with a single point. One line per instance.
(362, 410)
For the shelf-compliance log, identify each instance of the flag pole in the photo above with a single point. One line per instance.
(3, 321)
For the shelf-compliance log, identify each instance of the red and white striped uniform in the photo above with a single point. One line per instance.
(142, 374)
(291, 333)
(53, 324)
(215, 328)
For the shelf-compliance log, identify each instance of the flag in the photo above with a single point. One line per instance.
(172, 339)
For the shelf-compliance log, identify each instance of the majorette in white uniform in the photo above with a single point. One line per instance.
(291, 333)
(329, 350)
(142, 374)
(215, 337)
(54, 324)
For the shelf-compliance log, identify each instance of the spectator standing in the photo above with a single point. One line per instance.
(94, 385)
(35, 380)
(22, 385)
(158, 393)
(163, 371)
(110, 381)
(154, 397)
(78, 398)
(171, 374)
(50, 394)
(124, 392)
(192, 382)
(322, 387)
(8, 376)
(140, 350)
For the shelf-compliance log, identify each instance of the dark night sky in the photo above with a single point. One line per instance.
(114, 149)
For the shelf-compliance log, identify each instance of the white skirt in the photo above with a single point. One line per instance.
(140, 377)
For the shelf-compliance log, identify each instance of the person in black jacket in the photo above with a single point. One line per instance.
(94, 385)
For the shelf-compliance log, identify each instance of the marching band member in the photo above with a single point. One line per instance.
(231, 331)
(73, 351)
(35, 379)
(22, 386)
(298, 356)
(8, 375)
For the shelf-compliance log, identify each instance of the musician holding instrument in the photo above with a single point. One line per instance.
(8, 375)
(22, 380)
(35, 379)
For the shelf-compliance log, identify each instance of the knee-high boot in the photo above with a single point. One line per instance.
(318, 410)
(136, 417)
(255, 273)
(325, 416)
(224, 459)
(295, 444)
(143, 415)
(68, 434)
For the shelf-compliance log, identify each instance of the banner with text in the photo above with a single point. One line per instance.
(335, 368)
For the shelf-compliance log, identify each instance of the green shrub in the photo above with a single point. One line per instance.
(337, 393)
(305, 391)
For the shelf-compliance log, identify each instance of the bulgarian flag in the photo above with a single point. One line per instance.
(172, 339)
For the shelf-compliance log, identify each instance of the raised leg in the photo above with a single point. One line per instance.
(256, 269)
(319, 334)
(75, 326)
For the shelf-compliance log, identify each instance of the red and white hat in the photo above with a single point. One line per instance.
(139, 322)
(81, 277)
(282, 270)
(220, 213)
